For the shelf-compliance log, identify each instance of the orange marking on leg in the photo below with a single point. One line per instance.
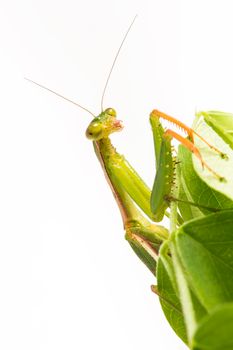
(189, 145)
(158, 114)
(223, 155)
(190, 132)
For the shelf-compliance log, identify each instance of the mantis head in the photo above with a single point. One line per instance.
(103, 125)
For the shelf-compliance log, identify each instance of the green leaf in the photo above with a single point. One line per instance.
(223, 167)
(222, 123)
(187, 210)
(194, 189)
(167, 294)
(205, 248)
(215, 330)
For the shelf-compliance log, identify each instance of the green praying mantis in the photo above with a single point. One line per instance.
(193, 259)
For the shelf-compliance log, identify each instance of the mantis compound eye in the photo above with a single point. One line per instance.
(94, 131)
(111, 112)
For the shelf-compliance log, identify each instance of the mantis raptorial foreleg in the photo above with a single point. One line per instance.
(189, 131)
(188, 143)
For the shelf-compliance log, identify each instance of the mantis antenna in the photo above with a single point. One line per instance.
(105, 86)
(59, 95)
(114, 61)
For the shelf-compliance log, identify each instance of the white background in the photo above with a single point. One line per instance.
(68, 278)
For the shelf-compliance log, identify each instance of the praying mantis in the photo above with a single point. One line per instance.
(193, 259)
